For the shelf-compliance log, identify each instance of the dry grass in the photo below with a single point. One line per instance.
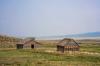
(89, 55)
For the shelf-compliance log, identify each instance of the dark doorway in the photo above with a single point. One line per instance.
(60, 48)
(32, 46)
(19, 46)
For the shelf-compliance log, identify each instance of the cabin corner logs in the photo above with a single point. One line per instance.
(66, 44)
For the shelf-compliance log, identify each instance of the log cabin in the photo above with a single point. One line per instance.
(27, 44)
(68, 44)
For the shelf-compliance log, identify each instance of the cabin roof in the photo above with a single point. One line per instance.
(68, 42)
(28, 41)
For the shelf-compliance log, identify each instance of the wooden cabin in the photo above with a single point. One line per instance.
(67, 45)
(28, 44)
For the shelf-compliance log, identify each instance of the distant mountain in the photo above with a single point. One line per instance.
(84, 35)
(90, 34)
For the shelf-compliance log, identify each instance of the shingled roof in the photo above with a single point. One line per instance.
(68, 42)
(28, 41)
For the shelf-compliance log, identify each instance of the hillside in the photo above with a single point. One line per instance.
(7, 41)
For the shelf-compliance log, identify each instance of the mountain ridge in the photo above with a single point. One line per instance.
(82, 35)
(89, 34)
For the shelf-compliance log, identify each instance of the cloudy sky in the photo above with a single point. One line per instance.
(49, 17)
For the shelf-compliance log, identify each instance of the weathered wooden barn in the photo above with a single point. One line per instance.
(67, 45)
(28, 44)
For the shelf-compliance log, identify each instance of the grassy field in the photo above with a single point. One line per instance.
(89, 55)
